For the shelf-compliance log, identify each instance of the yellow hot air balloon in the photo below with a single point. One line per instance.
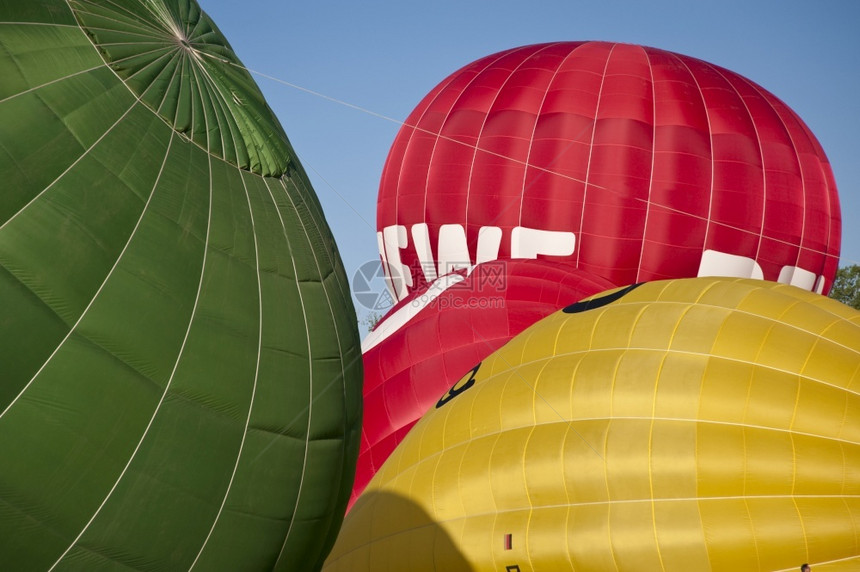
(694, 424)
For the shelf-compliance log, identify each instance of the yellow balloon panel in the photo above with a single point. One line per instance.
(697, 424)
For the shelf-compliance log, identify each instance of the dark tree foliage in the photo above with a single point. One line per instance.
(846, 286)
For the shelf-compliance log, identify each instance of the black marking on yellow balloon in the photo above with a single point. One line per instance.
(513, 568)
(459, 387)
(594, 303)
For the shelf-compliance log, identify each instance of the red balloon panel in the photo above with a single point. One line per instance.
(409, 370)
(586, 151)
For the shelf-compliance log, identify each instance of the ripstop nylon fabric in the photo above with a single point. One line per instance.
(180, 362)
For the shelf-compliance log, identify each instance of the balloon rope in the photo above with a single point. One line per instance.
(507, 158)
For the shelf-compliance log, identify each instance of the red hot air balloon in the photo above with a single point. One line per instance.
(634, 163)
(432, 337)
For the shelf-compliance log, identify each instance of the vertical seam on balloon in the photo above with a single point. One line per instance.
(529, 53)
(754, 124)
(681, 317)
(317, 217)
(164, 392)
(175, 77)
(607, 428)
(169, 54)
(415, 129)
(800, 169)
(196, 106)
(648, 202)
(567, 505)
(310, 363)
(256, 375)
(81, 317)
(42, 192)
(460, 468)
(337, 332)
(707, 110)
(474, 148)
(697, 460)
(794, 494)
(178, 73)
(799, 386)
(179, 355)
(228, 114)
(501, 356)
(202, 108)
(744, 473)
(844, 496)
(588, 163)
(699, 301)
(530, 433)
(192, 32)
(538, 113)
(213, 97)
(149, 6)
(433, 513)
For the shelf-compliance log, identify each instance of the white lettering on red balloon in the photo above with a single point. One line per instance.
(452, 253)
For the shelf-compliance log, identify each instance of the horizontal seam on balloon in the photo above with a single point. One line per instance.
(686, 352)
(775, 321)
(45, 24)
(337, 332)
(318, 219)
(437, 521)
(611, 502)
(110, 558)
(569, 422)
(53, 81)
(286, 236)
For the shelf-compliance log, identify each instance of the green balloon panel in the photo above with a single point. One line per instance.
(181, 378)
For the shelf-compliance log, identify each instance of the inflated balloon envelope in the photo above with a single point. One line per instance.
(692, 424)
(427, 340)
(180, 374)
(632, 162)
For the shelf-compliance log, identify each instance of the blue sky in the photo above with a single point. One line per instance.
(379, 58)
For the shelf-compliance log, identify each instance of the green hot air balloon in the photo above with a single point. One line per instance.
(180, 378)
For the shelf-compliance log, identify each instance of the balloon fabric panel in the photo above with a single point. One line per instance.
(687, 424)
(181, 372)
(408, 370)
(660, 165)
